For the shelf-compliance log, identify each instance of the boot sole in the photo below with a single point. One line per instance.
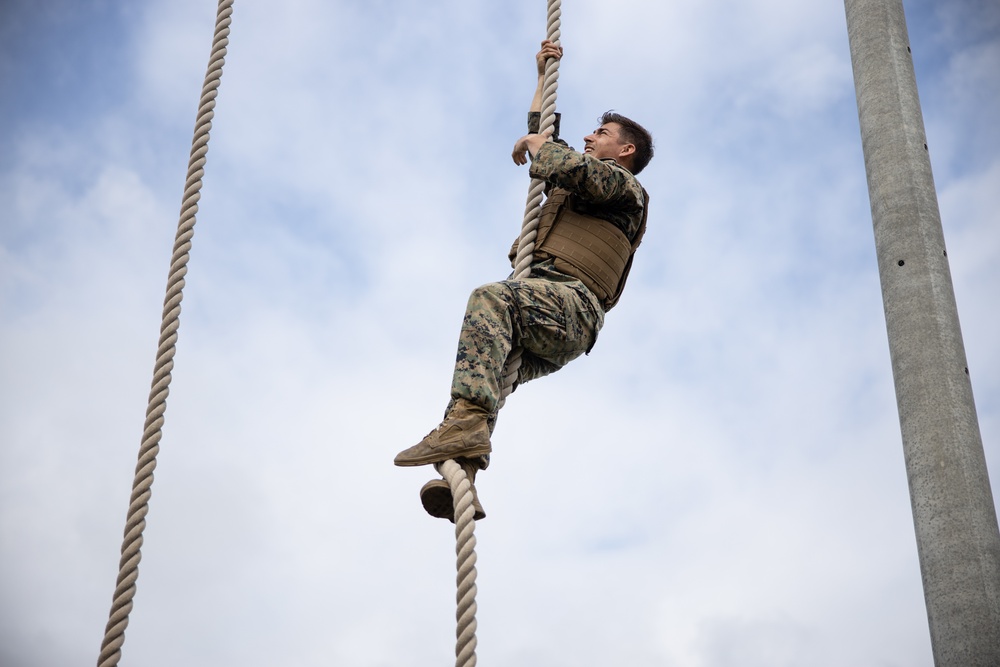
(437, 500)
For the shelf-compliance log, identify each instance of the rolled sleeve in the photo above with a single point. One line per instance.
(535, 124)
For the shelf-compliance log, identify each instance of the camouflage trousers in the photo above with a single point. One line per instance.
(553, 321)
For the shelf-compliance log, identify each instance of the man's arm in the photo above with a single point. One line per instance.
(549, 50)
(530, 143)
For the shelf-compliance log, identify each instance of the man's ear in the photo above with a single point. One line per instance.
(626, 150)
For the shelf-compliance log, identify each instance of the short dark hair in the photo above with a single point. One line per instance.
(634, 134)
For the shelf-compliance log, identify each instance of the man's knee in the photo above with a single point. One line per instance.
(492, 296)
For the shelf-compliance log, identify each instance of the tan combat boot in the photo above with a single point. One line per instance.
(463, 433)
(436, 496)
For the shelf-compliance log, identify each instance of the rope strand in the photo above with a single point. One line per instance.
(533, 206)
(135, 522)
(465, 550)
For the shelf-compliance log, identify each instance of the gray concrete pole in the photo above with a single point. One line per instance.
(958, 543)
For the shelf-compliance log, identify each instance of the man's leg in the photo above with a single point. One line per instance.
(487, 337)
(554, 323)
(483, 346)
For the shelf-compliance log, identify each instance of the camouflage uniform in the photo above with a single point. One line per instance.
(554, 317)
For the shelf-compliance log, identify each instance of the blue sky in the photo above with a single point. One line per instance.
(719, 483)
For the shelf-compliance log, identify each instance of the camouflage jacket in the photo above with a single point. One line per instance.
(601, 188)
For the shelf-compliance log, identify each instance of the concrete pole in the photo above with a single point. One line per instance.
(958, 543)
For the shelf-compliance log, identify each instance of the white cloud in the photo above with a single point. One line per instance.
(721, 482)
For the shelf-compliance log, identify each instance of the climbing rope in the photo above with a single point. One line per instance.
(461, 486)
(135, 521)
(465, 550)
(533, 207)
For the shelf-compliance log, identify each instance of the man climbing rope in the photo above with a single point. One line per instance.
(591, 223)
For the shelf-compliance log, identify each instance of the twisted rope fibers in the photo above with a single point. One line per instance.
(135, 521)
(533, 206)
(465, 551)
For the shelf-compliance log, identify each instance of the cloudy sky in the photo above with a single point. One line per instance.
(720, 483)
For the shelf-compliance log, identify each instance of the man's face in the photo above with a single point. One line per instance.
(606, 142)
